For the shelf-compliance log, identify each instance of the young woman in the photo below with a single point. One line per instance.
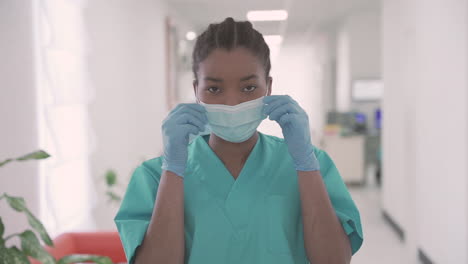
(236, 195)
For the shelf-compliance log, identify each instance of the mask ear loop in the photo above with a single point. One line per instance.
(267, 91)
(196, 96)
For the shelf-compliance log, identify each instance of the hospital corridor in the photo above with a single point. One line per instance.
(234, 132)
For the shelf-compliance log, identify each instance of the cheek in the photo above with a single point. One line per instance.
(262, 90)
(204, 96)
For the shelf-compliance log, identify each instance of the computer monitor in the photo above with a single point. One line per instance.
(378, 119)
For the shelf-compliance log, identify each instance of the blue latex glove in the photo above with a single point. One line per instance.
(182, 121)
(294, 123)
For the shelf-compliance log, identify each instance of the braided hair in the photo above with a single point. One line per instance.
(228, 35)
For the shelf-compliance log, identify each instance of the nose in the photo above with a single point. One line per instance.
(232, 98)
(232, 101)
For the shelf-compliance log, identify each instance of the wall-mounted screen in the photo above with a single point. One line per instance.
(367, 90)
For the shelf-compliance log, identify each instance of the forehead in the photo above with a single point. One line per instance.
(236, 63)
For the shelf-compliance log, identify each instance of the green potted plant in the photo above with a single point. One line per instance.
(30, 244)
(111, 183)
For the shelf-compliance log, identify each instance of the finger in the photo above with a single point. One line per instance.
(287, 119)
(271, 98)
(268, 100)
(190, 111)
(202, 116)
(189, 129)
(183, 108)
(275, 104)
(175, 109)
(197, 107)
(184, 117)
(282, 110)
(190, 119)
(285, 98)
(171, 113)
(294, 101)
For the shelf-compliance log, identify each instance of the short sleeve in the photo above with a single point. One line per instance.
(341, 200)
(136, 209)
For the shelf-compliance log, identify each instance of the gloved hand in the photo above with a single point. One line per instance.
(182, 121)
(294, 123)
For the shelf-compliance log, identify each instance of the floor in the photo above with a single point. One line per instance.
(381, 244)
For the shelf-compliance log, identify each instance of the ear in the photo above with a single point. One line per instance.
(195, 87)
(269, 84)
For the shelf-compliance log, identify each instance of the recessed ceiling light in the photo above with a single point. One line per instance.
(191, 35)
(267, 15)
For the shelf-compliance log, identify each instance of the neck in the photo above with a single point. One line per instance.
(232, 152)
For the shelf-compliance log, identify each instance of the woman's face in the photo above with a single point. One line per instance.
(231, 77)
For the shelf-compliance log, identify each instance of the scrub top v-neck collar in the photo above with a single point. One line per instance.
(236, 197)
(213, 154)
(222, 182)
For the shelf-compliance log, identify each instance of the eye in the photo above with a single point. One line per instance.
(213, 89)
(250, 88)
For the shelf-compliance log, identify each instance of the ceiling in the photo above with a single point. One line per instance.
(304, 15)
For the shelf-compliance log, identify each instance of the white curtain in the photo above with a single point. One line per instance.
(67, 194)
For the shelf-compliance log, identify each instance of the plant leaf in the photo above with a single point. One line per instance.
(19, 205)
(2, 229)
(40, 154)
(13, 256)
(37, 225)
(16, 203)
(5, 162)
(111, 178)
(31, 247)
(6, 256)
(84, 257)
(19, 257)
(113, 196)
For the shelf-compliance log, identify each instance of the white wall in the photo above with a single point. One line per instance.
(127, 67)
(183, 48)
(398, 135)
(18, 131)
(358, 52)
(425, 140)
(307, 56)
(343, 71)
(365, 56)
(365, 43)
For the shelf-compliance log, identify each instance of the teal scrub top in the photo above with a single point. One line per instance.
(255, 218)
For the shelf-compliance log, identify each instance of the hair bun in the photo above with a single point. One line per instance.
(229, 20)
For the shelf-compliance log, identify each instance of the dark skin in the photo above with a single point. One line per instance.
(229, 83)
(164, 240)
(243, 79)
(324, 238)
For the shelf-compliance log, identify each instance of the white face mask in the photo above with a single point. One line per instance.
(235, 123)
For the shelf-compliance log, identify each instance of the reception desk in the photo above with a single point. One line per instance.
(348, 153)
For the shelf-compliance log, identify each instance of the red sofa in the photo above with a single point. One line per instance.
(95, 243)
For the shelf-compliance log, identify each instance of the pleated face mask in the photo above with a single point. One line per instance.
(235, 123)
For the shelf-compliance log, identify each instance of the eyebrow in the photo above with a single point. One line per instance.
(220, 80)
(249, 77)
